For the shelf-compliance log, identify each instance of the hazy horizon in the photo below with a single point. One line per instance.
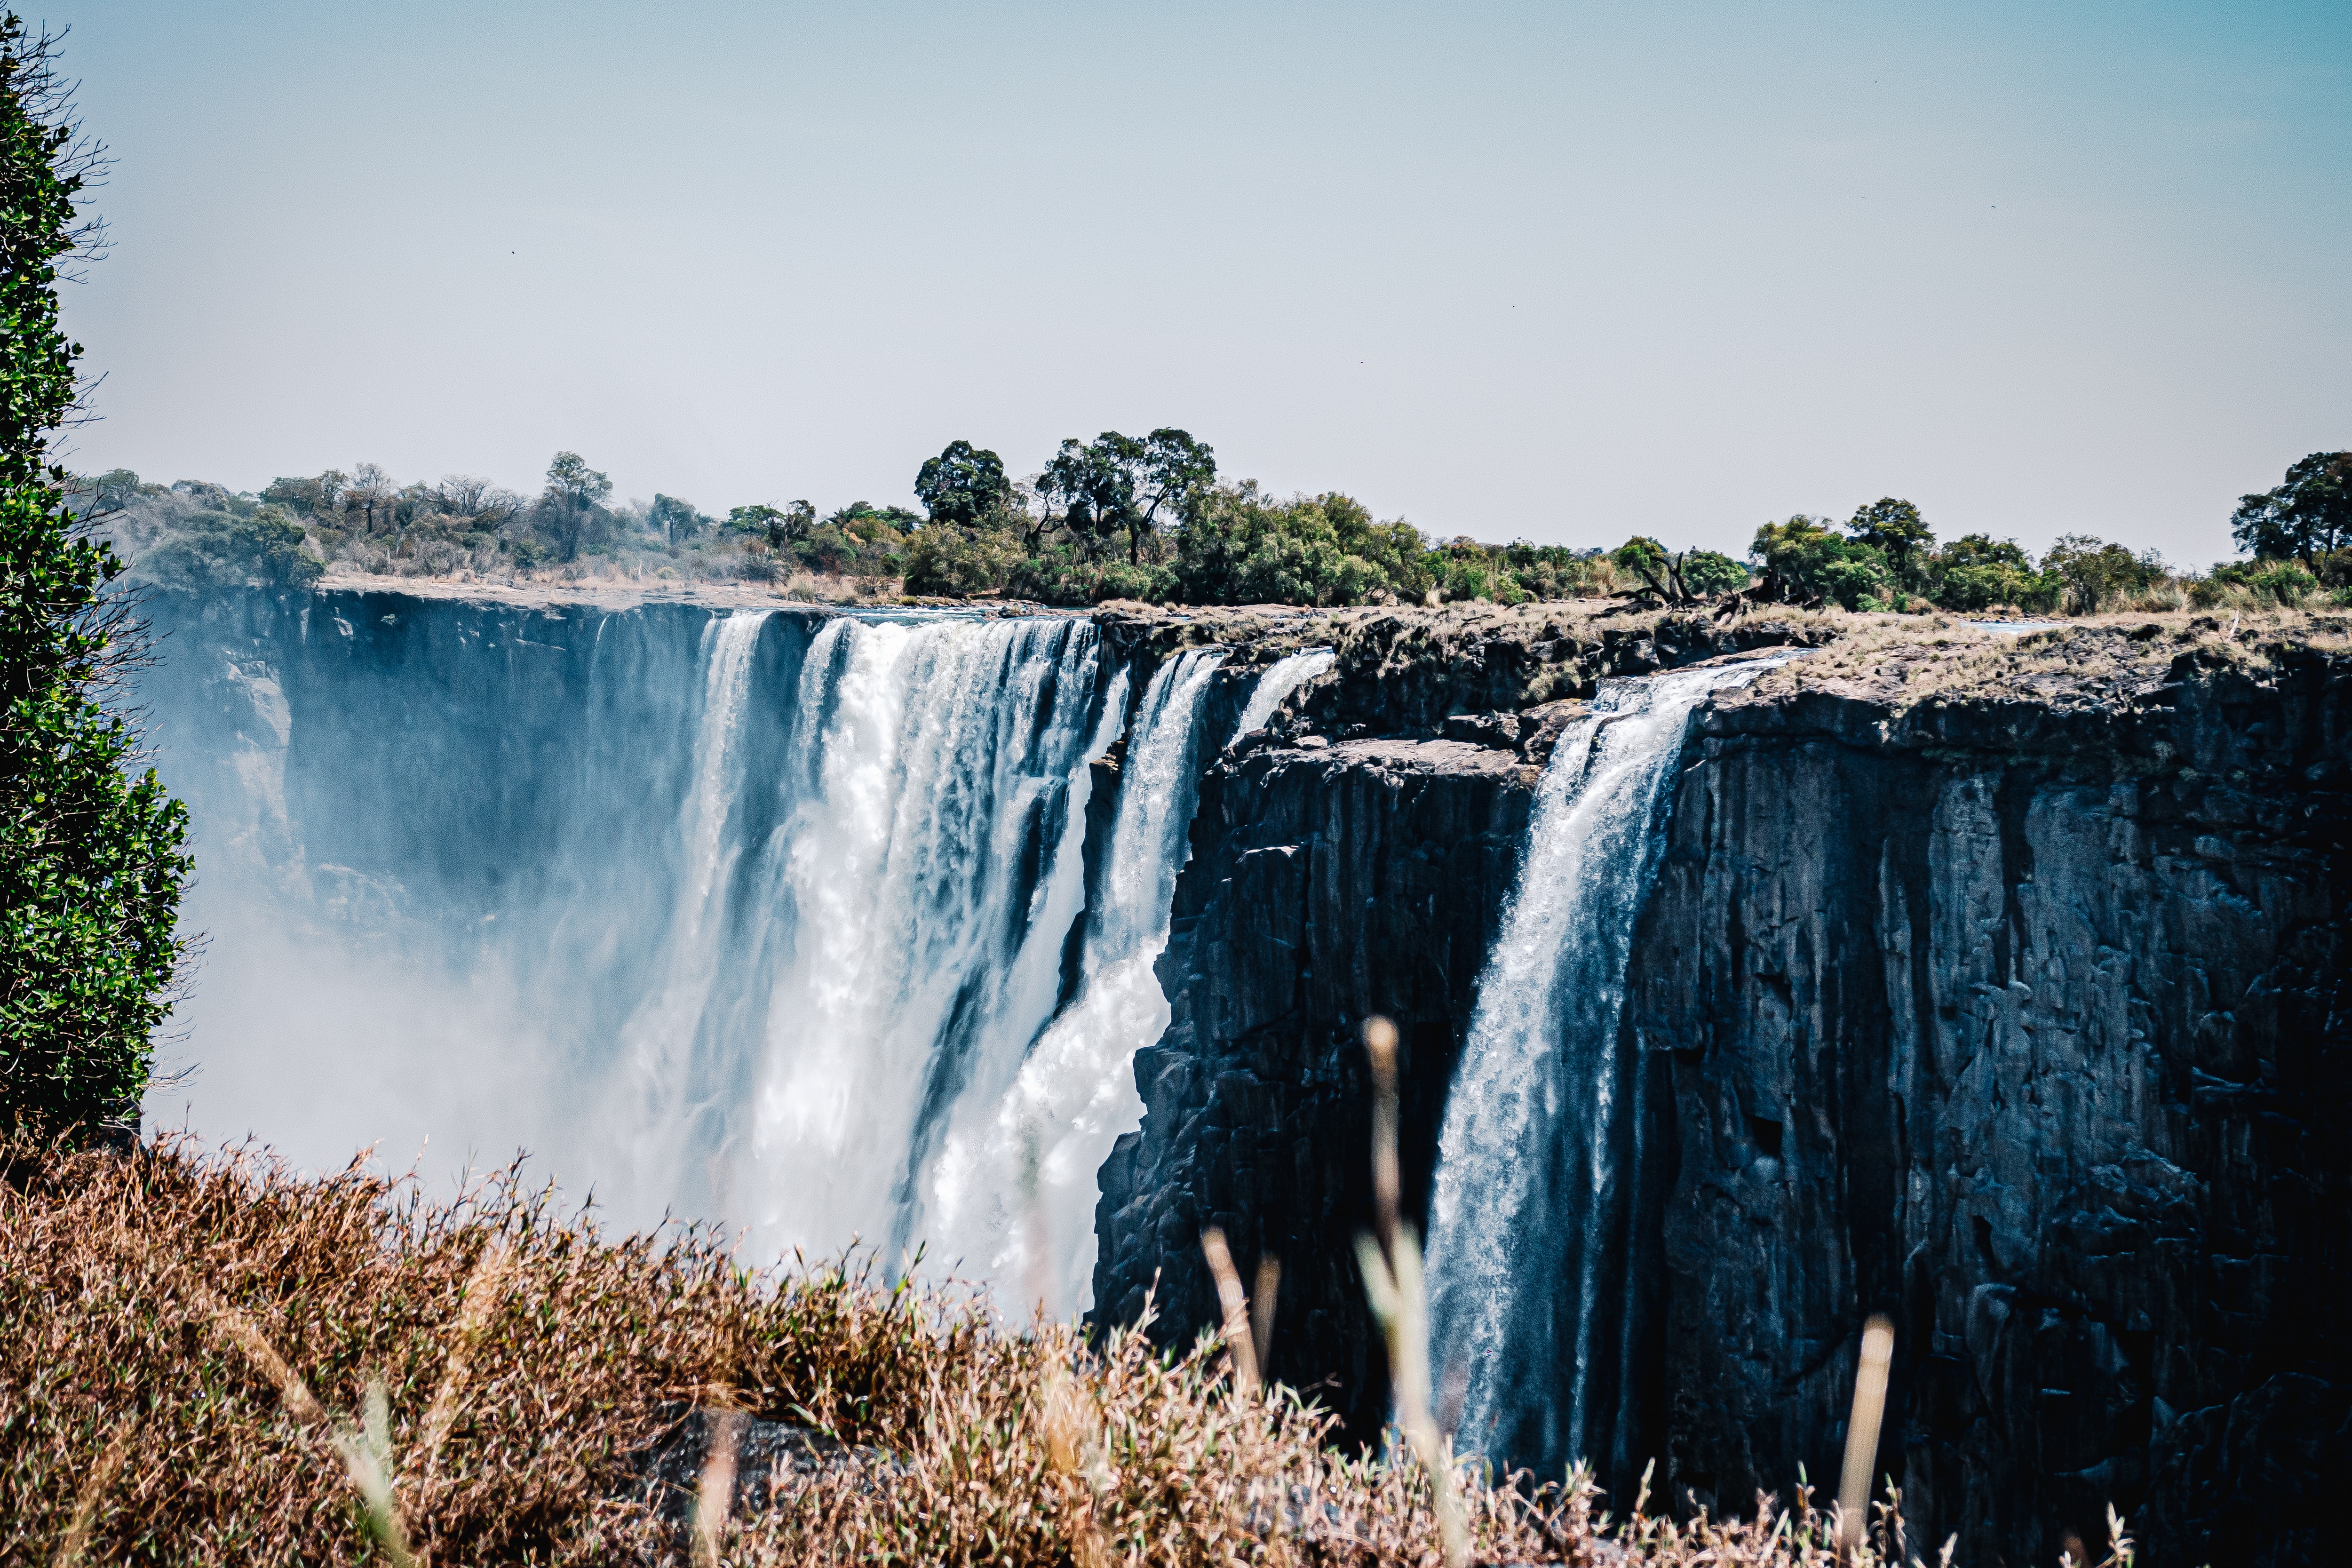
(1509, 271)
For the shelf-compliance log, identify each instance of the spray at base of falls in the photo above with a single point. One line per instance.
(1536, 1156)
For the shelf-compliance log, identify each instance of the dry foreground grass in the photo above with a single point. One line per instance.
(205, 1358)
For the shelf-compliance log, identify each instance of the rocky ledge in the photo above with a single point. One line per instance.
(1996, 984)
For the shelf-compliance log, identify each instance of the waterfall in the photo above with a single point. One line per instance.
(658, 1039)
(1281, 679)
(1016, 1185)
(917, 896)
(1534, 1156)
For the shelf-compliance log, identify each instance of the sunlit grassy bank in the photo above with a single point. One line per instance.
(206, 1359)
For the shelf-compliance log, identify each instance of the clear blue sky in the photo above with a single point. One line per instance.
(1552, 271)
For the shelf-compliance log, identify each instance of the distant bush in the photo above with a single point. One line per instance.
(2258, 583)
(218, 549)
(1803, 558)
(1245, 547)
(950, 561)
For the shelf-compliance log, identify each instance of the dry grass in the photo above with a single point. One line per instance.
(2090, 662)
(201, 1356)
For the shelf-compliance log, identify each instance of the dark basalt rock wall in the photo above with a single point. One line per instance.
(1326, 884)
(2028, 1029)
(2022, 1020)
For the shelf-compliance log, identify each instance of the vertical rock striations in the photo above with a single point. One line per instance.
(2000, 989)
(2020, 1017)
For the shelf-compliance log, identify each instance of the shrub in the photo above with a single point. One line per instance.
(953, 562)
(91, 857)
(1803, 559)
(213, 1325)
(219, 549)
(1245, 548)
(2095, 575)
(1705, 571)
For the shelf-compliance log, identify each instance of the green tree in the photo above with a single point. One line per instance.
(1094, 489)
(1976, 571)
(1173, 473)
(963, 487)
(1803, 558)
(91, 857)
(2305, 517)
(1898, 532)
(218, 549)
(569, 506)
(1708, 572)
(2096, 574)
(1132, 485)
(675, 520)
(781, 526)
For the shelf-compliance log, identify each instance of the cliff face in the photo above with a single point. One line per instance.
(1326, 883)
(1998, 991)
(2025, 1023)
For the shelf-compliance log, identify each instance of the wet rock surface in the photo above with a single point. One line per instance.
(2001, 988)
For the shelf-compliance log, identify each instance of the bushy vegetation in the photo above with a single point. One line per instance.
(90, 854)
(1885, 558)
(205, 1359)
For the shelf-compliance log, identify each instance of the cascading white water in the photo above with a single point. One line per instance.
(919, 892)
(1529, 1201)
(1281, 678)
(1016, 1185)
(659, 1038)
(776, 921)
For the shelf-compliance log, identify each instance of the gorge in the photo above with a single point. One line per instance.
(1996, 985)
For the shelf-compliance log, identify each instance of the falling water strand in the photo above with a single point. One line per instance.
(1528, 1209)
(921, 885)
(1018, 1184)
(1274, 687)
(659, 1037)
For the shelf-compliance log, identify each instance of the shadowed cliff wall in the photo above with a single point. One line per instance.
(2021, 1019)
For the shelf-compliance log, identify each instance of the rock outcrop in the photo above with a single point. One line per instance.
(2000, 987)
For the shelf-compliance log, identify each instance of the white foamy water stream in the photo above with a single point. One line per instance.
(1532, 1158)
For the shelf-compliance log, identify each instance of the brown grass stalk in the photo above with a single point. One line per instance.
(1236, 1328)
(93, 1492)
(1862, 1431)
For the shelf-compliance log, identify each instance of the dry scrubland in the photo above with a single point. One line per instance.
(2096, 661)
(207, 1359)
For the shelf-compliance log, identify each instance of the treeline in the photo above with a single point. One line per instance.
(1150, 518)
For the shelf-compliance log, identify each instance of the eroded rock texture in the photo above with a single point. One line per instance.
(2019, 1015)
(1326, 883)
(2027, 1028)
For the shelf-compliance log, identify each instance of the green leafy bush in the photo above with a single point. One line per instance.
(952, 561)
(1803, 558)
(1976, 571)
(91, 858)
(218, 549)
(2097, 575)
(1245, 548)
(1705, 571)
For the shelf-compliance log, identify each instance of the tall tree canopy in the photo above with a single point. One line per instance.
(963, 487)
(1900, 533)
(2309, 515)
(1130, 484)
(91, 857)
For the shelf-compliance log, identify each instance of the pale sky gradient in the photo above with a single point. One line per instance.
(1552, 271)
